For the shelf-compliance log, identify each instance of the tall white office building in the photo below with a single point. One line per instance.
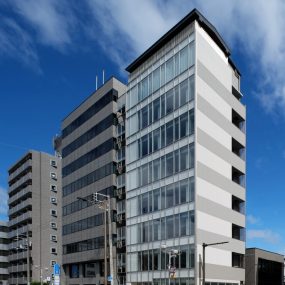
(185, 159)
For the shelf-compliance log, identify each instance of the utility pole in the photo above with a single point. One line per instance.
(105, 205)
(204, 245)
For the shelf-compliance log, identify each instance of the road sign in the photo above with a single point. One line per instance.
(56, 269)
(110, 278)
(56, 280)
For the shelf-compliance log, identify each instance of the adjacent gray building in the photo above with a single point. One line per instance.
(4, 251)
(34, 217)
(93, 161)
(263, 267)
(185, 161)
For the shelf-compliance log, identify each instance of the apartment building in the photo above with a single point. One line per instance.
(93, 161)
(185, 160)
(34, 217)
(4, 252)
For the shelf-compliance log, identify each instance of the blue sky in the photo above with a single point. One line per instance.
(51, 52)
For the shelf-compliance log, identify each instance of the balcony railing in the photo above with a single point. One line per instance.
(21, 206)
(27, 164)
(21, 181)
(20, 219)
(20, 194)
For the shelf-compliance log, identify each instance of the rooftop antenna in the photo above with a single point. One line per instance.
(96, 82)
(103, 76)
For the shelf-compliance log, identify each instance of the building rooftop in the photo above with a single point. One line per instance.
(188, 19)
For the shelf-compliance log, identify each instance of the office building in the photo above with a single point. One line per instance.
(92, 161)
(34, 217)
(263, 267)
(185, 161)
(4, 251)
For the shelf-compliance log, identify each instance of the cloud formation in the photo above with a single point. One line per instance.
(125, 28)
(252, 219)
(265, 235)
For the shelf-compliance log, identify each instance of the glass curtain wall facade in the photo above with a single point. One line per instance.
(160, 165)
(185, 159)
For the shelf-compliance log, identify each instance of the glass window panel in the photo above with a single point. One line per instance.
(184, 160)
(145, 232)
(192, 256)
(192, 223)
(169, 196)
(140, 91)
(156, 139)
(176, 162)
(150, 114)
(144, 145)
(191, 88)
(162, 161)
(184, 127)
(156, 169)
(162, 106)
(133, 96)
(145, 203)
(162, 74)
(150, 263)
(150, 231)
(176, 60)
(191, 189)
(156, 200)
(169, 164)
(163, 260)
(191, 54)
(183, 256)
(183, 191)
(133, 124)
(184, 92)
(156, 79)
(156, 109)
(184, 59)
(144, 117)
(150, 143)
(169, 69)
(162, 228)
(169, 132)
(139, 227)
(169, 227)
(145, 260)
(162, 132)
(150, 207)
(191, 156)
(155, 259)
(176, 225)
(144, 86)
(176, 97)
(176, 193)
(191, 123)
(149, 84)
(156, 229)
(144, 174)
(162, 197)
(184, 224)
(176, 129)
(169, 101)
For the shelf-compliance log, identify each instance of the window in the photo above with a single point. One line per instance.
(238, 232)
(156, 200)
(169, 227)
(169, 196)
(144, 145)
(156, 79)
(169, 68)
(53, 163)
(145, 203)
(169, 101)
(53, 213)
(53, 250)
(238, 205)
(53, 175)
(53, 238)
(156, 169)
(184, 160)
(184, 127)
(169, 164)
(156, 109)
(184, 59)
(144, 117)
(53, 200)
(237, 260)
(184, 92)
(184, 224)
(53, 188)
(53, 225)
(156, 140)
(169, 132)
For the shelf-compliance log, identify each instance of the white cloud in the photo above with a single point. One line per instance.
(16, 42)
(265, 235)
(252, 219)
(52, 20)
(3, 202)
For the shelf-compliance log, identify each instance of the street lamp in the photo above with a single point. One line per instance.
(27, 245)
(204, 245)
(172, 253)
(105, 204)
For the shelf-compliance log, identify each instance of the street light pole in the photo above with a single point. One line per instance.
(105, 248)
(204, 245)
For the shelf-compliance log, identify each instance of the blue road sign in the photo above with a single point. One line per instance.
(56, 269)
(110, 278)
